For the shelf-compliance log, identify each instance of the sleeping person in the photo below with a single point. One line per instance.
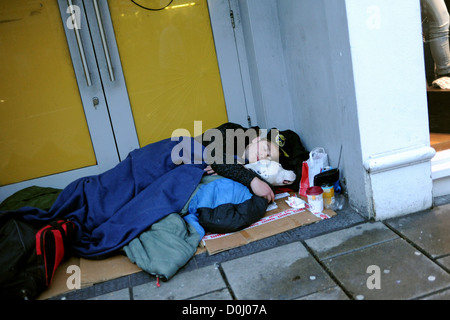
(112, 208)
(249, 145)
(158, 209)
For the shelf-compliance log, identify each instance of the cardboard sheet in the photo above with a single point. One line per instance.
(90, 273)
(278, 220)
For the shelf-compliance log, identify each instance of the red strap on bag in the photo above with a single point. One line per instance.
(50, 246)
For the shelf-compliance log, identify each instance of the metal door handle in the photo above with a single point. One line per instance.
(104, 40)
(80, 46)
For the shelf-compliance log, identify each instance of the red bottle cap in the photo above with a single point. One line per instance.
(314, 191)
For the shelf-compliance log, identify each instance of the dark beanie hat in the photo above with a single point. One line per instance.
(292, 152)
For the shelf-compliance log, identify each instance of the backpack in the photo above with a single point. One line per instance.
(29, 256)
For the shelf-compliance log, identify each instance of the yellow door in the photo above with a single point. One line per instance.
(170, 66)
(43, 127)
(63, 117)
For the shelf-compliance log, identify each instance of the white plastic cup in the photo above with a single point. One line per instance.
(315, 199)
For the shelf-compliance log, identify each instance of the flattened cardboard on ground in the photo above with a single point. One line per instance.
(97, 271)
(59, 282)
(91, 272)
(272, 227)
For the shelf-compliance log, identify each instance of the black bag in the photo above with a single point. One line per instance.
(292, 153)
(29, 256)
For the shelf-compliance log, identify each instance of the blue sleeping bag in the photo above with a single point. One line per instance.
(224, 206)
(218, 204)
(113, 208)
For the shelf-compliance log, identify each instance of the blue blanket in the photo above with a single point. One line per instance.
(114, 207)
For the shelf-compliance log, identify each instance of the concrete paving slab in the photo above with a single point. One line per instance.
(441, 295)
(123, 294)
(444, 262)
(399, 272)
(334, 293)
(350, 239)
(281, 273)
(185, 285)
(429, 229)
(223, 294)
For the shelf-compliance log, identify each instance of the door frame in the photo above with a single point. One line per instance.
(232, 59)
(113, 80)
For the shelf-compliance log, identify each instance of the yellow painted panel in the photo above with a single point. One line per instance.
(43, 129)
(170, 66)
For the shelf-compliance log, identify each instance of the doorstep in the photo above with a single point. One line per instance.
(440, 173)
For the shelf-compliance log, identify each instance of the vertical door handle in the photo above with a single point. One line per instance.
(104, 40)
(80, 44)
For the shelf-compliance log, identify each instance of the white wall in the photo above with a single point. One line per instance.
(265, 55)
(319, 65)
(355, 77)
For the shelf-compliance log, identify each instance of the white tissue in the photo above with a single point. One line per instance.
(296, 203)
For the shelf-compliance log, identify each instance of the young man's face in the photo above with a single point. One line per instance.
(261, 149)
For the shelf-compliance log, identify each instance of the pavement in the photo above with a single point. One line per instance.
(344, 258)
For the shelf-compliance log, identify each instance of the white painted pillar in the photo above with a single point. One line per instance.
(390, 91)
